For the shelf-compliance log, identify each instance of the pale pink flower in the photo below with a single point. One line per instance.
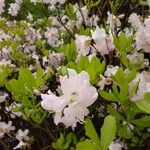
(71, 107)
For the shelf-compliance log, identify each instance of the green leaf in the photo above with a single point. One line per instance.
(142, 122)
(59, 143)
(86, 145)
(83, 63)
(108, 132)
(144, 104)
(70, 11)
(130, 76)
(108, 96)
(114, 113)
(124, 133)
(91, 132)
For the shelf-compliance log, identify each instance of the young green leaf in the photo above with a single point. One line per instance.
(108, 132)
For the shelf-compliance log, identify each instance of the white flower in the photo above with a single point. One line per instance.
(6, 128)
(115, 146)
(83, 44)
(103, 43)
(113, 21)
(143, 36)
(3, 97)
(71, 107)
(53, 2)
(52, 36)
(143, 80)
(81, 15)
(2, 5)
(111, 70)
(22, 135)
(30, 16)
(135, 21)
(21, 145)
(14, 9)
(12, 108)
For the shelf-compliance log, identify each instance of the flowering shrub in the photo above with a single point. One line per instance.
(74, 74)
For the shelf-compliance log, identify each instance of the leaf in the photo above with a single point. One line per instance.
(130, 76)
(144, 104)
(142, 122)
(59, 143)
(86, 145)
(70, 11)
(91, 132)
(108, 96)
(124, 133)
(114, 113)
(108, 132)
(83, 63)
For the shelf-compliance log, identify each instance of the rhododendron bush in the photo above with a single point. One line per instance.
(75, 75)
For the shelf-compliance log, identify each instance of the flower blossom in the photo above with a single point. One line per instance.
(2, 5)
(71, 106)
(52, 36)
(102, 42)
(142, 36)
(115, 146)
(83, 44)
(5, 128)
(143, 81)
(14, 8)
(111, 70)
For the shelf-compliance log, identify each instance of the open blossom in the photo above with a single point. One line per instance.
(14, 9)
(52, 36)
(83, 44)
(22, 135)
(71, 107)
(143, 81)
(11, 109)
(113, 21)
(54, 59)
(115, 146)
(143, 36)
(135, 21)
(102, 42)
(111, 70)
(2, 5)
(5, 128)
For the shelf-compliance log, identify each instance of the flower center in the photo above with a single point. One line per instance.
(87, 42)
(74, 98)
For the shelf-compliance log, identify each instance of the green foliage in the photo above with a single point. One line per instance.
(65, 142)
(108, 133)
(93, 67)
(69, 51)
(144, 104)
(70, 11)
(5, 71)
(22, 91)
(120, 88)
